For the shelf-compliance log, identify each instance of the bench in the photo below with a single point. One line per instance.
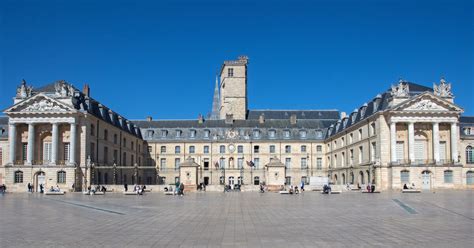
(92, 193)
(130, 193)
(284, 192)
(147, 190)
(169, 193)
(365, 191)
(411, 191)
(54, 193)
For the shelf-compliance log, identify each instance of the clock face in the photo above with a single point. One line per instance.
(231, 148)
(231, 134)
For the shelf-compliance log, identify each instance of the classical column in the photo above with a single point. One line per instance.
(72, 144)
(31, 144)
(436, 141)
(12, 137)
(454, 142)
(54, 152)
(393, 141)
(411, 141)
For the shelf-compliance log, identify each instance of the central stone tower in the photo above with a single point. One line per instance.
(233, 88)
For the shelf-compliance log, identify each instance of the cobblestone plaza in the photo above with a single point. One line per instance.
(247, 219)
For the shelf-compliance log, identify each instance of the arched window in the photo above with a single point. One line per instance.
(343, 178)
(222, 180)
(448, 176)
(18, 177)
(469, 155)
(361, 177)
(256, 181)
(470, 177)
(404, 176)
(61, 177)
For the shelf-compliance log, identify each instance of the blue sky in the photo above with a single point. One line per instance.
(160, 58)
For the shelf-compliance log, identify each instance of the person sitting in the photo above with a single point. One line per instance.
(291, 191)
(166, 189)
(412, 186)
(296, 190)
(103, 189)
(51, 189)
(405, 186)
(368, 187)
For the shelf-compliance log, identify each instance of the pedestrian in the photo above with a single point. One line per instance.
(302, 186)
(29, 187)
(181, 189)
(372, 188)
(125, 186)
(176, 189)
(41, 188)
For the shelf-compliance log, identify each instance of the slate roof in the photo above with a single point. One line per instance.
(379, 103)
(466, 119)
(88, 104)
(300, 114)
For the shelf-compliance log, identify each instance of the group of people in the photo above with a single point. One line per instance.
(98, 188)
(370, 188)
(201, 187)
(179, 188)
(228, 188)
(55, 189)
(326, 189)
(139, 189)
(405, 186)
(3, 188)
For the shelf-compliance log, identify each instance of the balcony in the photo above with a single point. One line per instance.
(423, 163)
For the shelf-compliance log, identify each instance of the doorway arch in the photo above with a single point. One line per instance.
(39, 178)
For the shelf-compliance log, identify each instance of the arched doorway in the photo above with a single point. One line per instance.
(361, 178)
(231, 182)
(335, 179)
(426, 180)
(343, 178)
(39, 178)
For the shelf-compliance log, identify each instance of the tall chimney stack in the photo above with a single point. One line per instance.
(86, 90)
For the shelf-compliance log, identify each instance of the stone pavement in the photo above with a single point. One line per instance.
(389, 219)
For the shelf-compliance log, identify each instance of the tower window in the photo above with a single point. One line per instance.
(230, 72)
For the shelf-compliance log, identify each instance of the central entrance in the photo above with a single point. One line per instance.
(40, 179)
(426, 180)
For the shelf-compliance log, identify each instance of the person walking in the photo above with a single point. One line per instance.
(181, 188)
(125, 186)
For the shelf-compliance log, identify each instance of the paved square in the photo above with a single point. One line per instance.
(389, 219)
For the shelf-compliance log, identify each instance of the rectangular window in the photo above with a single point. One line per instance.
(256, 149)
(92, 153)
(360, 134)
(373, 153)
(319, 163)
(230, 72)
(177, 149)
(178, 133)
(124, 159)
(206, 149)
(271, 134)
(106, 155)
(164, 133)
(1, 157)
(400, 150)
(272, 149)
(115, 139)
(163, 149)
(18, 177)
(66, 151)
(192, 134)
(405, 177)
(256, 162)
(149, 149)
(222, 149)
(192, 149)
(106, 134)
(61, 177)
(207, 134)
(319, 148)
(287, 149)
(442, 150)
(240, 163)
(177, 162)
(287, 180)
(287, 134)
(132, 160)
(304, 163)
(92, 130)
(240, 149)
(448, 176)
(351, 154)
(24, 148)
(303, 148)
(221, 162)
(256, 134)
(372, 128)
(288, 163)
(361, 154)
(115, 156)
(163, 163)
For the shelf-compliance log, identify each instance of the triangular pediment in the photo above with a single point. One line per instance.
(429, 103)
(39, 104)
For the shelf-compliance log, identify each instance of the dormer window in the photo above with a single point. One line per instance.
(230, 72)
(319, 134)
(192, 134)
(207, 133)
(303, 134)
(287, 134)
(362, 112)
(179, 133)
(164, 133)
(150, 133)
(271, 134)
(256, 134)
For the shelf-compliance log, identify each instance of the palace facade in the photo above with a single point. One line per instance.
(407, 134)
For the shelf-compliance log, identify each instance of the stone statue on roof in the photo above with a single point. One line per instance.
(443, 89)
(400, 90)
(63, 88)
(23, 90)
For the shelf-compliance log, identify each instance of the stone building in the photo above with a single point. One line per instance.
(408, 134)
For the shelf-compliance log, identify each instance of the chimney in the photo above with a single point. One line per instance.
(229, 118)
(149, 118)
(343, 115)
(293, 119)
(86, 90)
(200, 119)
(261, 119)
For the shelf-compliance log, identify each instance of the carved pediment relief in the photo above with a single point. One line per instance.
(39, 104)
(427, 102)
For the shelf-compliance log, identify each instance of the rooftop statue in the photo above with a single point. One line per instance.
(23, 90)
(443, 89)
(400, 90)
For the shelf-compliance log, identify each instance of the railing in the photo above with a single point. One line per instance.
(422, 163)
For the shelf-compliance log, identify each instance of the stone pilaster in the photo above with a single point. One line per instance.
(31, 144)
